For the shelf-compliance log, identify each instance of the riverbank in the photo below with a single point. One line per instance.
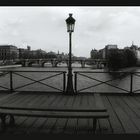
(129, 69)
(10, 66)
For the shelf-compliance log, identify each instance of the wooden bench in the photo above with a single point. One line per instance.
(97, 112)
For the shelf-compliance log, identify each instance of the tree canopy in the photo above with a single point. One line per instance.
(120, 59)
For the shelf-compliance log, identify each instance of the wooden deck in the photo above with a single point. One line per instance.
(124, 112)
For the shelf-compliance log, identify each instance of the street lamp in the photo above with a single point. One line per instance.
(70, 21)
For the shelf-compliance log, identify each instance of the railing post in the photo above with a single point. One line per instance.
(75, 82)
(131, 83)
(64, 81)
(11, 81)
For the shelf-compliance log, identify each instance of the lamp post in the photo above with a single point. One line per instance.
(70, 21)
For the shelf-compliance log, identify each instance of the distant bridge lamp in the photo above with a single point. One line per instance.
(70, 21)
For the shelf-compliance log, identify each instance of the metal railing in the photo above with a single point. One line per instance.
(130, 82)
(14, 81)
(84, 81)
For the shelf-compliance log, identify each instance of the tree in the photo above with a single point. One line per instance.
(121, 58)
(13, 55)
(51, 55)
(114, 59)
(131, 57)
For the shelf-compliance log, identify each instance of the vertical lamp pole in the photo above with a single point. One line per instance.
(70, 21)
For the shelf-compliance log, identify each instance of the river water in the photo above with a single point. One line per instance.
(112, 84)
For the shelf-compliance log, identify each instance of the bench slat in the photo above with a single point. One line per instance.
(55, 108)
(55, 114)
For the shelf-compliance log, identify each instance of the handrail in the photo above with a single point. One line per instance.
(104, 72)
(31, 71)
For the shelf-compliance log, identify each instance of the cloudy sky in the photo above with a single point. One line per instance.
(45, 28)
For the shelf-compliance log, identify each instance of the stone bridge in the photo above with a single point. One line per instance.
(55, 62)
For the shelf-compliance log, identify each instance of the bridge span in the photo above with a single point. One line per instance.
(55, 62)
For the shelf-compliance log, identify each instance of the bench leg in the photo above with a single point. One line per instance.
(9, 119)
(94, 125)
(12, 120)
(3, 122)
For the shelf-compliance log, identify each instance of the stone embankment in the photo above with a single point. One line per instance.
(130, 69)
(9, 66)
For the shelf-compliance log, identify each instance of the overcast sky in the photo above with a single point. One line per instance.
(45, 27)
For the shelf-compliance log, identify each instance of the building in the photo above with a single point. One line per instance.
(111, 46)
(106, 50)
(60, 55)
(31, 54)
(93, 54)
(136, 50)
(37, 54)
(24, 53)
(8, 52)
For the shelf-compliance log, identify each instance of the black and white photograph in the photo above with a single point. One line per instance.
(69, 70)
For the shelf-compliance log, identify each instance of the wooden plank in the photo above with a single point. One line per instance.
(135, 101)
(124, 119)
(70, 101)
(50, 122)
(137, 97)
(133, 117)
(104, 123)
(95, 100)
(18, 98)
(70, 124)
(23, 101)
(37, 125)
(49, 125)
(34, 101)
(131, 104)
(49, 101)
(27, 124)
(61, 123)
(98, 129)
(3, 94)
(7, 97)
(91, 105)
(59, 126)
(42, 101)
(16, 129)
(115, 122)
(57, 114)
(90, 126)
(57, 101)
(83, 123)
(98, 102)
(76, 104)
(63, 101)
